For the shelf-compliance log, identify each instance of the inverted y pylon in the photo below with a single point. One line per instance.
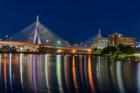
(37, 39)
(37, 33)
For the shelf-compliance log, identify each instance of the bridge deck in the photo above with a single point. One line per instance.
(48, 49)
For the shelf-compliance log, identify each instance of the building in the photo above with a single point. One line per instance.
(99, 41)
(115, 39)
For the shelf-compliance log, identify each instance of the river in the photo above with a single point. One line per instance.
(47, 73)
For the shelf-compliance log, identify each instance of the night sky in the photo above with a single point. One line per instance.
(73, 20)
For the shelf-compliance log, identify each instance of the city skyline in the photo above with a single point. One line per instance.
(72, 18)
(69, 46)
(38, 32)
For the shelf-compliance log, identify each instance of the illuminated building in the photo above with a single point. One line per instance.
(115, 39)
(99, 42)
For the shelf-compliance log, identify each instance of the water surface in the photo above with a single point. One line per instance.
(46, 73)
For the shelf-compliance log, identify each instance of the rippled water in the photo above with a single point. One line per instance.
(29, 73)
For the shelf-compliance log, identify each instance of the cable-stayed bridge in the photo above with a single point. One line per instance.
(93, 39)
(40, 38)
(37, 33)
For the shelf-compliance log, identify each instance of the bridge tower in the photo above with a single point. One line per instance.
(37, 39)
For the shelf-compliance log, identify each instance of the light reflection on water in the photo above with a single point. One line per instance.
(119, 76)
(59, 72)
(46, 71)
(29, 73)
(90, 76)
(21, 71)
(138, 77)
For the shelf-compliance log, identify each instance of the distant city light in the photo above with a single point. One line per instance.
(47, 41)
(59, 42)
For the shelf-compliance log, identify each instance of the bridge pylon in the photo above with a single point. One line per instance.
(37, 39)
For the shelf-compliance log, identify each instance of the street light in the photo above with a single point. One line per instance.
(89, 50)
(73, 51)
(59, 51)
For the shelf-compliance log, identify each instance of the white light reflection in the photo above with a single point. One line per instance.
(58, 72)
(30, 70)
(98, 66)
(46, 70)
(119, 76)
(10, 71)
(138, 77)
(34, 76)
(21, 70)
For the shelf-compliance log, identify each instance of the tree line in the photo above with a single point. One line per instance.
(112, 50)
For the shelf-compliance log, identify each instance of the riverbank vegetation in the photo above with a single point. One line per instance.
(120, 50)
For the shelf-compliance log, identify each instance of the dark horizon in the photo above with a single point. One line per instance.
(73, 20)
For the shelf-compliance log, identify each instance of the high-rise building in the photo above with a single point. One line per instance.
(115, 39)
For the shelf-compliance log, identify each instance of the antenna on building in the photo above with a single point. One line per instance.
(99, 33)
(6, 37)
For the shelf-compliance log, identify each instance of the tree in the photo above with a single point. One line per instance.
(121, 48)
(125, 49)
(96, 51)
(129, 50)
(109, 50)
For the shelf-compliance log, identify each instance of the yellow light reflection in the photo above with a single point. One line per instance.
(90, 76)
(74, 73)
